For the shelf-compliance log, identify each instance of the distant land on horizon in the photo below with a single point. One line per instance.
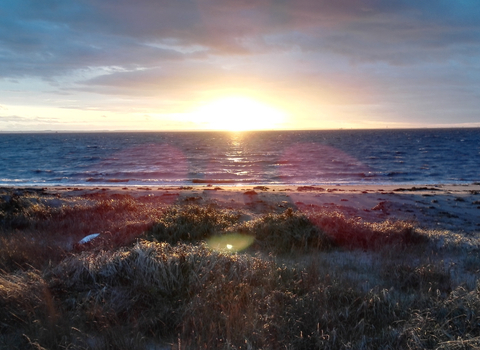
(225, 131)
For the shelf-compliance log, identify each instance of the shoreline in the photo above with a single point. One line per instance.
(452, 207)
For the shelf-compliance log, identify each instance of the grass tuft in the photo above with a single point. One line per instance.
(191, 223)
(354, 233)
(290, 231)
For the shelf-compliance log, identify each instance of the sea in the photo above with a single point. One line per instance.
(329, 157)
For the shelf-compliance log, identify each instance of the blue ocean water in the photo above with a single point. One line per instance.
(416, 156)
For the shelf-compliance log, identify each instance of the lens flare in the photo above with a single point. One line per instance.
(234, 242)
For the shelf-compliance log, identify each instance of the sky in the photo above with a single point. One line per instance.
(82, 65)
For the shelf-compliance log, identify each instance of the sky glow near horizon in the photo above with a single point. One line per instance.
(236, 65)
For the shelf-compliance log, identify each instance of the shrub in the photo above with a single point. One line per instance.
(354, 233)
(191, 223)
(287, 232)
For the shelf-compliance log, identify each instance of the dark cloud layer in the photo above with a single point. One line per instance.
(51, 37)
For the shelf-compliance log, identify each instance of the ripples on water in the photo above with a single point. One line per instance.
(274, 157)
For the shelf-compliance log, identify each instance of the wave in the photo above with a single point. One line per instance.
(313, 157)
(106, 180)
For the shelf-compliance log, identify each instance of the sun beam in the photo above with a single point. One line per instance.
(238, 114)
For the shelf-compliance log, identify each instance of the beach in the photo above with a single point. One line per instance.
(239, 175)
(450, 207)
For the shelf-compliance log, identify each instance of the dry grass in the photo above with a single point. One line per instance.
(38, 229)
(310, 280)
(192, 223)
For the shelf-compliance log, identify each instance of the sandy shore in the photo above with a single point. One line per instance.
(451, 207)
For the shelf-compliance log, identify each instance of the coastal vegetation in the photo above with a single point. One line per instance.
(304, 279)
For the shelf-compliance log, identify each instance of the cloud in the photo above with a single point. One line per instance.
(14, 119)
(57, 38)
(52, 37)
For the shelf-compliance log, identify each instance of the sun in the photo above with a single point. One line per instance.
(238, 114)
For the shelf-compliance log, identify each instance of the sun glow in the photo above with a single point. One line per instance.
(238, 114)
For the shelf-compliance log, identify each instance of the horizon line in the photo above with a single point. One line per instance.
(49, 131)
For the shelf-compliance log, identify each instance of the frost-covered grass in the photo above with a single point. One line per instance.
(308, 280)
